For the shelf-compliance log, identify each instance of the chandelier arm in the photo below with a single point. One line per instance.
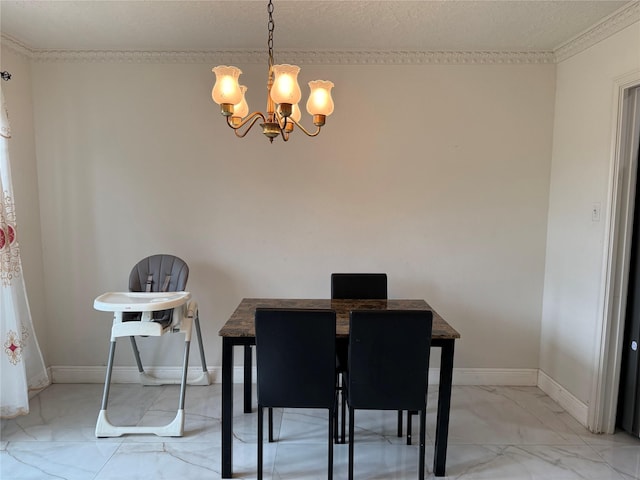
(251, 119)
(285, 135)
(282, 121)
(306, 132)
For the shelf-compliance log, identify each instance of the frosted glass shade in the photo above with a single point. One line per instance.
(320, 101)
(226, 88)
(285, 87)
(295, 112)
(241, 109)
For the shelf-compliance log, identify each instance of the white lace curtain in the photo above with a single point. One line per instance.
(22, 367)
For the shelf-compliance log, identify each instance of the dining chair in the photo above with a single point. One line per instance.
(296, 366)
(359, 286)
(388, 365)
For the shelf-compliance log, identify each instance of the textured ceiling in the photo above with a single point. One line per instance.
(157, 25)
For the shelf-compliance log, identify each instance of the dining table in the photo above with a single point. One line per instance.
(239, 331)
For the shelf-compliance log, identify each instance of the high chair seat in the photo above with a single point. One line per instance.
(152, 313)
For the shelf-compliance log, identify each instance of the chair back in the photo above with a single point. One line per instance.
(295, 357)
(359, 286)
(159, 273)
(389, 359)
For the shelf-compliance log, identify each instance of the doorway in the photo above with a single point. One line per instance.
(628, 412)
(603, 404)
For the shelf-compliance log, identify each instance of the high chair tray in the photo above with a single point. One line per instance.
(139, 301)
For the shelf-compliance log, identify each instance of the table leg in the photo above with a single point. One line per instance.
(444, 406)
(247, 378)
(227, 407)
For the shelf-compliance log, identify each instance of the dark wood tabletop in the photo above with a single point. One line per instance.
(241, 322)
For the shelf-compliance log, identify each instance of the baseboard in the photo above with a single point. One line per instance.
(461, 376)
(576, 408)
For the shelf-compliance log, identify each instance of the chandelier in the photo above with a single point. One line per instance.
(282, 99)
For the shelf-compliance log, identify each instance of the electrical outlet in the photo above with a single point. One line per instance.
(595, 212)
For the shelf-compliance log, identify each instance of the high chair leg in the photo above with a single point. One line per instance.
(136, 353)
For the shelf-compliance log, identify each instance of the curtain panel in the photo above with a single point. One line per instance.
(22, 368)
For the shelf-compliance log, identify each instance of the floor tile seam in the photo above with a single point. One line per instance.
(62, 441)
(621, 475)
(213, 445)
(113, 454)
(272, 470)
(519, 444)
(168, 441)
(49, 473)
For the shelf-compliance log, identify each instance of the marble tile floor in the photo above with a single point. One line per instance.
(508, 433)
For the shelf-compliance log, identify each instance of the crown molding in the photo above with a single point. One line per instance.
(15, 46)
(299, 57)
(409, 57)
(618, 20)
(615, 22)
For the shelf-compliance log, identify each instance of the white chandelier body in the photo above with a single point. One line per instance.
(283, 96)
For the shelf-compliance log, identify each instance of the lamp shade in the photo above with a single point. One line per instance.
(226, 88)
(285, 87)
(320, 101)
(295, 112)
(241, 109)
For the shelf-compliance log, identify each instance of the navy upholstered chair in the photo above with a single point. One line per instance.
(360, 286)
(388, 366)
(296, 366)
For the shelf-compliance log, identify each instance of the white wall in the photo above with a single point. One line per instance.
(444, 186)
(18, 96)
(579, 178)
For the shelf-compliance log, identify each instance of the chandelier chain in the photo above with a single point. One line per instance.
(271, 25)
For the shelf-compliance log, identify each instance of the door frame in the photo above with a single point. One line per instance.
(615, 272)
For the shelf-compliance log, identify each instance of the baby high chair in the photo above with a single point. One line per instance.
(156, 304)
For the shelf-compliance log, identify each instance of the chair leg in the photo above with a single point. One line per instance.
(399, 423)
(107, 381)
(270, 424)
(136, 354)
(336, 429)
(351, 428)
(332, 414)
(260, 427)
(185, 369)
(423, 424)
(409, 427)
(196, 323)
(344, 411)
